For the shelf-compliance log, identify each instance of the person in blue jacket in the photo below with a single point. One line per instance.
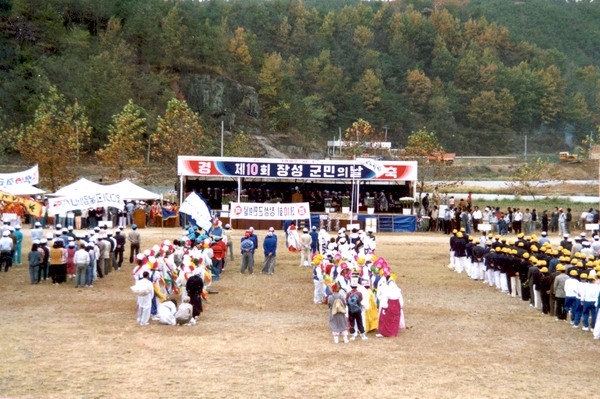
(270, 248)
(315, 239)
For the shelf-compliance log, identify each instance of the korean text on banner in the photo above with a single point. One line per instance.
(58, 206)
(30, 176)
(276, 211)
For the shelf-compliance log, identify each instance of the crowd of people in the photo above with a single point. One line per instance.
(561, 281)
(60, 255)
(345, 272)
(443, 213)
(90, 218)
(358, 287)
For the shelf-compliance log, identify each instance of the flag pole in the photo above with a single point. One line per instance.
(162, 216)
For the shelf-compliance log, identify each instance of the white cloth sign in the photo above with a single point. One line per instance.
(196, 207)
(102, 199)
(275, 211)
(30, 176)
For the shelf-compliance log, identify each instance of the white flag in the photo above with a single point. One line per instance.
(195, 206)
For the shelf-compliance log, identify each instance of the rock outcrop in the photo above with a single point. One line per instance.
(222, 98)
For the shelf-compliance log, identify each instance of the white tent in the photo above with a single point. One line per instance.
(22, 189)
(80, 187)
(131, 191)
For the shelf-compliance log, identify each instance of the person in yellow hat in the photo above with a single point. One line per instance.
(572, 298)
(533, 277)
(589, 295)
(545, 289)
(460, 253)
(453, 238)
(558, 290)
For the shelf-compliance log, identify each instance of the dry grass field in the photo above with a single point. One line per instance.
(262, 337)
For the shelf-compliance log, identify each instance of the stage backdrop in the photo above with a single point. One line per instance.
(358, 169)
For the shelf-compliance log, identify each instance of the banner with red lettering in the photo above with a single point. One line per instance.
(30, 176)
(301, 169)
(269, 211)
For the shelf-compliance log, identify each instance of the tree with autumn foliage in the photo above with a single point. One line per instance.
(124, 151)
(424, 147)
(359, 137)
(178, 133)
(54, 138)
(241, 145)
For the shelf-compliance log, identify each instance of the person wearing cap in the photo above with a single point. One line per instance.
(460, 253)
(369, 241)
(44, 266)
(305, 245)
(589, 295)
(228, 239)
(104, 256)
(17, 244)
(545, 289)
(82, 262)
(391, 302)
(337, 322)
(37, 232)
(247, 250)
(293, 239)
(58, 263)
(70, 232)
(572, 295)
(6, 250)
(270, 252)
(34, 258)
(119, 247)
(144, 289)
(543, 239)
(219, 248)
(217, 230)
(558, 291)
(71, 266)
(91, 270)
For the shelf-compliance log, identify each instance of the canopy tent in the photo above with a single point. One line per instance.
(131, 191)
(22, 189)
(80, 187)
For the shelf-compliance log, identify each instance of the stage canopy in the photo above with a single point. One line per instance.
(131, 191)
(80, 187)
(22, 189)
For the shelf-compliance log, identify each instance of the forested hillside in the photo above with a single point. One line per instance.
(480, 75)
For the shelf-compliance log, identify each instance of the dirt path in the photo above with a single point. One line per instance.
(261, 336)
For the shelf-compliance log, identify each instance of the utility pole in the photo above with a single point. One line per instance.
(222, 130)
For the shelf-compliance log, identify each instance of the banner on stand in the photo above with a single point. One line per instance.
(267, 211)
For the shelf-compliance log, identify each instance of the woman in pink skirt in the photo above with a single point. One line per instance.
(391, 316)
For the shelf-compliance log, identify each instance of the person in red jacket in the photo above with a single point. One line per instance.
(219, 248)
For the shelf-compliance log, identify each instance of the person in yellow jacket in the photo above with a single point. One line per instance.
(370, 313)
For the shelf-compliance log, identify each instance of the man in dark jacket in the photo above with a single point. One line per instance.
(270, 248)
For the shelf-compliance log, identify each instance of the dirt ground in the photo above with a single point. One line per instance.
(262, 337)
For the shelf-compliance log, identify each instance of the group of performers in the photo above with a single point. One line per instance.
(183, 268)
(358, 287)
(562, 281)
